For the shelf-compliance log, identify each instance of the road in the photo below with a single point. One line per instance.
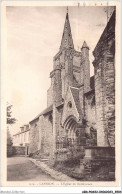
(22, 169)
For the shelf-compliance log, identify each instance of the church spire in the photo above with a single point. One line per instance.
(67, 41)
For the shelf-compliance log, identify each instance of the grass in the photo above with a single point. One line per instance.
(72, 169)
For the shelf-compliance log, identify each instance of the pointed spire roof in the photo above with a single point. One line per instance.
(85, 45)
(67, 41)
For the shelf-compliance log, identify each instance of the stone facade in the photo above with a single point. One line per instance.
(104, 68)
(80, 109)
(21, 141)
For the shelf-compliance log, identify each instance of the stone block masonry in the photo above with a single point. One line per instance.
(104, 67)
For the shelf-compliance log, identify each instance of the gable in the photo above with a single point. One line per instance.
(70, 106)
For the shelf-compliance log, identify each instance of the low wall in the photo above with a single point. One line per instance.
(19, 150)
(100, 152)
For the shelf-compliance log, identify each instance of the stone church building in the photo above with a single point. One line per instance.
(79, 121)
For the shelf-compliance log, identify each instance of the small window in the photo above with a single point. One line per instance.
(69, 104)
(93, 102)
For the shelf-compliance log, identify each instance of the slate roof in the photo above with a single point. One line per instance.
(47, 110)
(21, 132)
(75, 94)
(67, 41)
(85, 45)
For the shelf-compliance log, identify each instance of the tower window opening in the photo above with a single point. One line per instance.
(93, 102)
(51, 118)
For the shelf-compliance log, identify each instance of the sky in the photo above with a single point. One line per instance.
(33, 37)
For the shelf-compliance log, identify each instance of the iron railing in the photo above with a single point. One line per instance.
(70, 143)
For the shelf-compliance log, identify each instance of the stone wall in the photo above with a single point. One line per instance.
(102, 139)
(77, 60)
(90, 109)
(34, 136)
(90, 119)
(105, 85)
(41, 134)
(49, 96)
(60, 130)
(110, 98)
(85, 68)
(57, 87)
(46, 130)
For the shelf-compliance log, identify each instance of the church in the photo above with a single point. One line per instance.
(79, 121)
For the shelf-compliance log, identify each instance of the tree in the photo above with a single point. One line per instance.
(9, 144)
(9, 139)
(10, 120)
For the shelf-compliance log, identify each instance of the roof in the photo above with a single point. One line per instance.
(21, 132)
(47, 110)
(85, 45)
(24, 125)
(92, 91)
(75, 94)
(67, 41)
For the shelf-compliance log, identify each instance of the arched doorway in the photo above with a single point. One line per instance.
(74, 131)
